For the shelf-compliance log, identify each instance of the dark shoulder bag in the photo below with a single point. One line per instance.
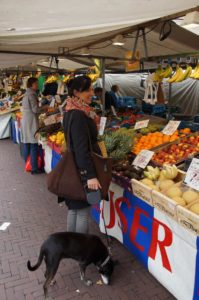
(65, 181)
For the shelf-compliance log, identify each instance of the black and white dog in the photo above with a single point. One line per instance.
(84, 248)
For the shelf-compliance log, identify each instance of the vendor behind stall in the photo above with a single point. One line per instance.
(30, 123)
(115, 94)
(109, 101)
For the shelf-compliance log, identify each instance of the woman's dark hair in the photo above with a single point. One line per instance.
(30, 81)
(80, 84)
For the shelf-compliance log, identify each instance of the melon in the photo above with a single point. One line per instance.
(166, 184)
(154, 187)
(195, 208)
(147, 181)
(179, 200)
(174, 192)
(189, 196)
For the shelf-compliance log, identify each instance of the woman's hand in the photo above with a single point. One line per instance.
(93, 184)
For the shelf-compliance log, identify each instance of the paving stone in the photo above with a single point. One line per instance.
(34, 213)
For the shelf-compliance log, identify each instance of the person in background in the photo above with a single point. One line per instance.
(109, 101)
(83, 128)
(30, 123)
(115, 94)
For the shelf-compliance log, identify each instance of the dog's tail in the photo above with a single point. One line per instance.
(38, 264)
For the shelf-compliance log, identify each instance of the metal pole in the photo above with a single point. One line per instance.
(169, 100)
(103, 84)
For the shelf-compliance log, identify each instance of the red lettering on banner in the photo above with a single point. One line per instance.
(112, 211)
(124, 224)
(162, 244)
(137, 226)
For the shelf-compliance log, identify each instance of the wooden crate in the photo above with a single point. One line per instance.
(188, 219)
(142, 191)
(167, 145)
(164, 204)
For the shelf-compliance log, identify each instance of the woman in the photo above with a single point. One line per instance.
(83, 127)
(30, 123)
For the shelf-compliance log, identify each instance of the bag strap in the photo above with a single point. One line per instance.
(68, 132)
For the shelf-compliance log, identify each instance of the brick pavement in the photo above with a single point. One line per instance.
(33, 214)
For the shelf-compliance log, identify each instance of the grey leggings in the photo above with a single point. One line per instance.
(77, 220)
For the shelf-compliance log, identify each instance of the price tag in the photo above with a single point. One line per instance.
(143, 158)
(141, 124)
(102, 125)
(171, 127)
(113, 111)
(192, 176)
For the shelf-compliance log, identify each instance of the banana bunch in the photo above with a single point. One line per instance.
(178, 74)
(152, 173)
(186, 74)
(157, 77)
(66, 78)
(170, 172)
(51, 79)
(181, 75)
(93, 77)
(195, 73)
(167, 72)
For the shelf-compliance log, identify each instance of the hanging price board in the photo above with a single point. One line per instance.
(141, 124)
(192, 175)
(171, 127)
(143, 158)
(102, 125)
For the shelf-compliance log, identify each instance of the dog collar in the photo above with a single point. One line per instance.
(105, 262)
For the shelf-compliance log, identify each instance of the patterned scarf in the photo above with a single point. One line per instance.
(77, 103)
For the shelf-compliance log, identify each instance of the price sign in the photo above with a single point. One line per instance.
(143, 158)
(113, 111)
(102, 125)
(141, 124)
(192, 176)
(171, 127)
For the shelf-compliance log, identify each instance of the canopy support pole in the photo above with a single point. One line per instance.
(103, 85)
(169, 100)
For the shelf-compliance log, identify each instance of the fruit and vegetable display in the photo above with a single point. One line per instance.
(166, 182)
(177, 152)
(118, 143)
(154, 139)
(57, 138)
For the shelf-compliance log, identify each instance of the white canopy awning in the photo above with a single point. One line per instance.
(44, 26)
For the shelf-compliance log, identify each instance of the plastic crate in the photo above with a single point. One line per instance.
(189, 124)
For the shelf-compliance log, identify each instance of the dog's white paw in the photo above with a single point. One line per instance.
(89, 282)
(53, 282)
(48, 298)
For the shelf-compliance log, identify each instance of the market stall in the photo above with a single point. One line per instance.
(160, 227)
(5, 119)
(161, 233)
